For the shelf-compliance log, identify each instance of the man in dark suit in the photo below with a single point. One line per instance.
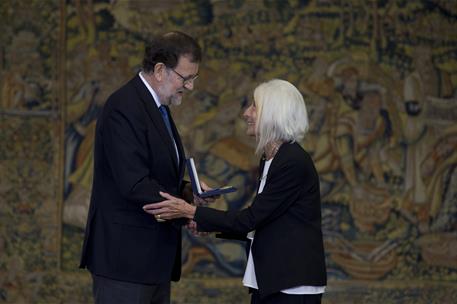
(138, 152)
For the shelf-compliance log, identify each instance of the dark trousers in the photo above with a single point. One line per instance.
(108, 291)
(283, 298)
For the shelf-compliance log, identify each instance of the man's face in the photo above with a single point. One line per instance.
(177, 81)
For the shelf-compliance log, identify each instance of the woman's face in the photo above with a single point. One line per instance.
(250, 116)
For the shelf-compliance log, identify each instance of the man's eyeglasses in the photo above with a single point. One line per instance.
(188, 79)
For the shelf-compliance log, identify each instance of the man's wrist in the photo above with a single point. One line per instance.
(191, 213)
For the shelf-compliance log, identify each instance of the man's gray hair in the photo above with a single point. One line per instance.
(281, 113)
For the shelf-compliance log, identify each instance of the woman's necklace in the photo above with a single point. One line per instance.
(272, 154)
(264, 176)
(273, 150)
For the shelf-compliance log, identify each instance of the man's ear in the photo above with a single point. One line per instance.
(159, 71)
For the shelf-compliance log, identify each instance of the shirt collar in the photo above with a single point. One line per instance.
(151, 90)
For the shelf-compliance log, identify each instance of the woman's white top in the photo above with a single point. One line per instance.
(249, 279)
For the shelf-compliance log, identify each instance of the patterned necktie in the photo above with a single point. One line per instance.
(166, 119)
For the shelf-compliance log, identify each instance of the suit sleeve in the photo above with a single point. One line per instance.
(126, 147)
(283, 187)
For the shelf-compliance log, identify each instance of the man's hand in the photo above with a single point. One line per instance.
(170, 208)
(192, 227)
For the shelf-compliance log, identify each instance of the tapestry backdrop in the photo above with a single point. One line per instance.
(380, 82)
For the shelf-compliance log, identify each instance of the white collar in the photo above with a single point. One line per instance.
(151, 90)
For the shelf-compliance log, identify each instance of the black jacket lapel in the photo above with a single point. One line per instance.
(182, 156)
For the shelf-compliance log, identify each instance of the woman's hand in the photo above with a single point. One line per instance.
(199, 201)
(171, 208)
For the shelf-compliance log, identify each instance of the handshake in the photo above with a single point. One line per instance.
(174, 207)
(195, 194)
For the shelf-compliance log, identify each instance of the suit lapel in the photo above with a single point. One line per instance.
(182, 155)
(157, 120)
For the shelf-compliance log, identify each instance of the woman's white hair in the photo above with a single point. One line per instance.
(281, 113)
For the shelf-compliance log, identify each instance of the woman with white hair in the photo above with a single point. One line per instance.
(286, 262)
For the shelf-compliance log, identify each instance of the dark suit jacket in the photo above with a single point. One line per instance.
(135, 158)
(288, 246)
